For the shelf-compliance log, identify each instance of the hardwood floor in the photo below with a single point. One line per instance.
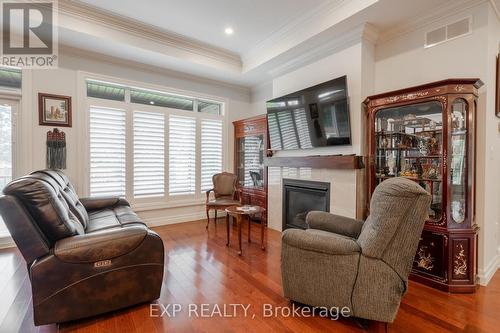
(201, 269)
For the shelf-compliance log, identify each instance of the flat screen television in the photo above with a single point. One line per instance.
(317, 116)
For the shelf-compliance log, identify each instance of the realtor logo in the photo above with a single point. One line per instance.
(29, 34)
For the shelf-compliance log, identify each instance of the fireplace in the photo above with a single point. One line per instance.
(300, 197)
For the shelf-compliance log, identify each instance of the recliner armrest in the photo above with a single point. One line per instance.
(97, 203)
(334, 223)
(320, 241)
(100, 245)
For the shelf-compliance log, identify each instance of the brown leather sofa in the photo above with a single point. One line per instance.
(84, 256)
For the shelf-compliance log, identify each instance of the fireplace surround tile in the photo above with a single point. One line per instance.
(343, 188)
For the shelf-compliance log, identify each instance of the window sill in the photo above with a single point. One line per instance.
(141, 207)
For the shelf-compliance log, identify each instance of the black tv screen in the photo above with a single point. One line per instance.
(313, 117)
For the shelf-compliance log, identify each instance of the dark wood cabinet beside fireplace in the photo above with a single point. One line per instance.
(250, 147)
(427, 133)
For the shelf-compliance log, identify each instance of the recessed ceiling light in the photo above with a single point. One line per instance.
(152, 102)
(229, 31)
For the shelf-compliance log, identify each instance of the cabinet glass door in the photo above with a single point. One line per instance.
(458, 170)
(250, 152)
(409, 143)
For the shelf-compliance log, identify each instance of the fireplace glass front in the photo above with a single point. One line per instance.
(300, 197)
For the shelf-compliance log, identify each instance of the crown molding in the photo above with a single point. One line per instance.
(99, 57)
(87, 13)
(495, 9)
(438, 13)
(362, 32)
(288, 29)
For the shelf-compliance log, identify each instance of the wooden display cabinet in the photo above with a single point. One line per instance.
(251, 143)
(427, 134)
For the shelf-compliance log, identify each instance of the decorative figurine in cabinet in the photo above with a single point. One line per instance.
(427, 134)
(251, 140)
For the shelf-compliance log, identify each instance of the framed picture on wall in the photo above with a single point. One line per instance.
(497, 109)
(54, 110)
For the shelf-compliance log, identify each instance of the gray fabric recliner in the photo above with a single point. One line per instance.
(342, 262)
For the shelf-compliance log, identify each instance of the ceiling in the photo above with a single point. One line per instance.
(205, 20)
(270, 37)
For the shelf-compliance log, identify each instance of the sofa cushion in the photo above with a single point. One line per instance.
(47, 206)
(58, 178)
(100, 245)
(112, 217)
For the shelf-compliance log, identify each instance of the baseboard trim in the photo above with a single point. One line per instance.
(486, 274)
(160, 220)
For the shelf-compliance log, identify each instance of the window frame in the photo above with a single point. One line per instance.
(154, 202)
(13, 96)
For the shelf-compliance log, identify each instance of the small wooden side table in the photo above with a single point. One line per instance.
(244, 212)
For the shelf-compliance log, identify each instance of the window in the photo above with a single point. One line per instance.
(6, 145)
(211, 151)
(10, 81)
(118, 92)
(152, 146)
(209, 107)
(107, 151)
(160, 99)
(182, 155)
(105, 90)
(149, 154)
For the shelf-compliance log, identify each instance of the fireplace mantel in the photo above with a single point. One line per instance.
(345, 162)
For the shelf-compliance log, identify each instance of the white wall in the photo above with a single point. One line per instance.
(64, 81)
(345, 187)
(403, 62)
(492, 163)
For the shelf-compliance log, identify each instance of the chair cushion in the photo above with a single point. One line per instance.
(58, 178)
(320, 241)
(398, 210)
(224, 184)
(223, 202)
(111, 218)
(47, 205)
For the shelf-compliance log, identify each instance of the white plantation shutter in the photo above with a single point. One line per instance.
(149, 154)
(182, 155)
(211, 151)
(107, 151)
(6, 148)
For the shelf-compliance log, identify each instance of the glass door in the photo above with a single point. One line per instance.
(250, 152)
(409, 143)
(8, 110)
(458, 166)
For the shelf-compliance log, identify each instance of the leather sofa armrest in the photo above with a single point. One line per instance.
(100, 245)
(334, 223)
(320, 241)
(97, 203)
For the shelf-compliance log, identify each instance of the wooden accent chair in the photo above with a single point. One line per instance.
(225, 193)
